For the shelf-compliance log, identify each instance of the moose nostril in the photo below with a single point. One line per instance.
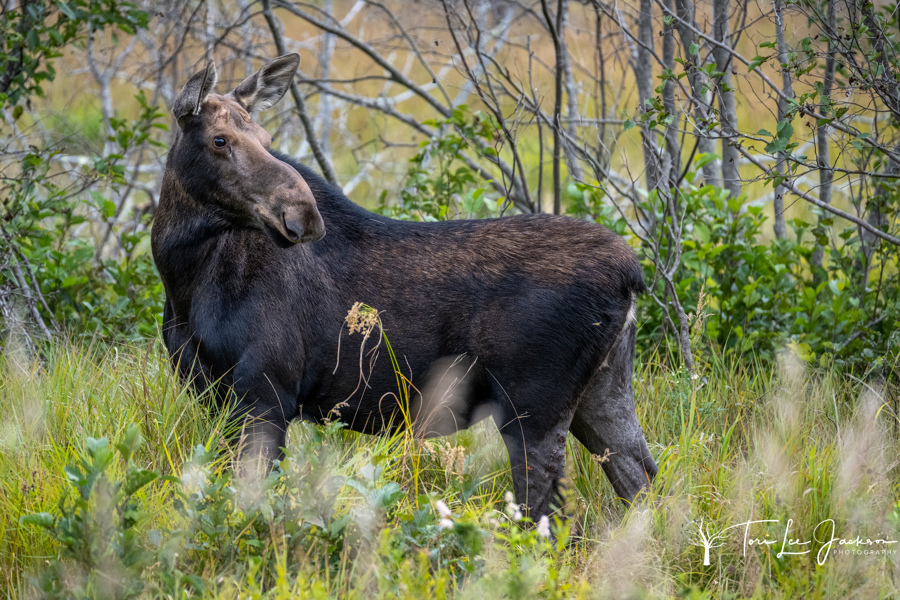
(290, 230)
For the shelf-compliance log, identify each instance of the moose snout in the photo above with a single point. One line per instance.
(293, 229)
(288, 207)
(300, 222)
(300, 230)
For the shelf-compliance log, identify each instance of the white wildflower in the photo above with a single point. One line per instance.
(517, 516)
(543, 528)
(511, 507)
(443, 509)
(445, 524)
(194, 480)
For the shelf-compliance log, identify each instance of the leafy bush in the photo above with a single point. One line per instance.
(760, 295)
(440, 184)
(243, 524)
(86, 294)
(101, 550)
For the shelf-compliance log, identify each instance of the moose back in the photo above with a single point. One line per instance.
(261, 260)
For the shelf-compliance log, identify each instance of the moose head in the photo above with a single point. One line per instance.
(221, 157)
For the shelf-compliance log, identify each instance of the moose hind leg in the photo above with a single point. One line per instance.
(537, 459)
(606, 423)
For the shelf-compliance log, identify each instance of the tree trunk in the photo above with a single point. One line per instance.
(731, 176)
(787, 87)
(876, 216)
(572, 112)
(673, 147)
(826, 175)
(642, 65)
(555, 25)
(323, 114)
(603, 138)
(705, 144)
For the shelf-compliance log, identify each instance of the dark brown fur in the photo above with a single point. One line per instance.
(536, 310)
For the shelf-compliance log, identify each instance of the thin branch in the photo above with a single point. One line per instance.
(827, 207)
(300, 105)
(556, 32)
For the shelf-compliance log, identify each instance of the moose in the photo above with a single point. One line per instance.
(261, 259)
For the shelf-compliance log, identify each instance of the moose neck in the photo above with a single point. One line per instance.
(185, 234)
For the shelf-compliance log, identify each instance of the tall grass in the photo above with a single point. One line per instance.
(359, 516)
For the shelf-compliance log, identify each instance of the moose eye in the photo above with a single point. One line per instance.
(219, 142)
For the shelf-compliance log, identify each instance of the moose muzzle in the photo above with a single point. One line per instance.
(290, 211)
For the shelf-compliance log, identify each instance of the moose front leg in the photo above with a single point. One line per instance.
(263, 439)
(183, 351)
(265, 408)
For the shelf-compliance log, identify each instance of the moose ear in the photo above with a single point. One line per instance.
(266, 87)
(195, 92)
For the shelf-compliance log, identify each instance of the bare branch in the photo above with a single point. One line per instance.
(300, 105)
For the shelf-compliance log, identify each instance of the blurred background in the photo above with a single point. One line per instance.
(747, 150)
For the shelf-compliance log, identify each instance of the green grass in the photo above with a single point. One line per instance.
(356, 516)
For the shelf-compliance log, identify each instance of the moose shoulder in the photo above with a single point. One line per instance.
(261, 260)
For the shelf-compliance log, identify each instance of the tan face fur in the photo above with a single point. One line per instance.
(229, 159)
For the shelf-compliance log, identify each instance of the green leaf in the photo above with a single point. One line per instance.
(130, 441)
(785, 130)
(65, 9)
(756, 62)
(386, 496)
(95, 445)
(628, 124)
(835, 286)
(74, 474)
(706, 158)
(701, 232)
(138, 479)
(694, 49)
(803, 351)
(43, 519)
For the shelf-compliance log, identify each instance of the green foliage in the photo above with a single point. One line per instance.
(101, 553)
(440, 184)
(340, 516)
(87, 294)
(761, 295)
(30, 38)
(45, 216)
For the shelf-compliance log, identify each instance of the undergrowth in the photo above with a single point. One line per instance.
(116, 482)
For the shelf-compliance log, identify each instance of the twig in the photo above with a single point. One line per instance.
(299, 104)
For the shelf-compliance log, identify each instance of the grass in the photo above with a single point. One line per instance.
(358, 516)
